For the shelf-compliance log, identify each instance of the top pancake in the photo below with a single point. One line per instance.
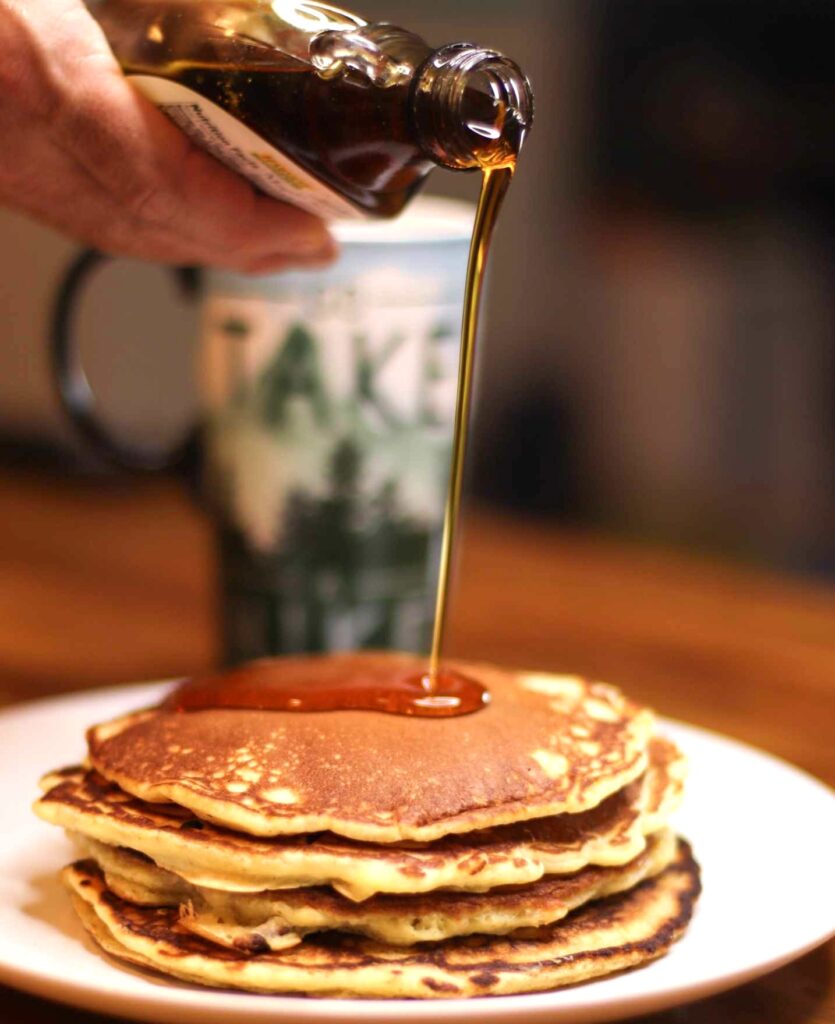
(544, 745)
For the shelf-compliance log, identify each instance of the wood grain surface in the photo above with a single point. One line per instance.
(102, 583)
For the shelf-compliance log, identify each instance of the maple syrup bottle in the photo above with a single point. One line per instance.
(314, 105)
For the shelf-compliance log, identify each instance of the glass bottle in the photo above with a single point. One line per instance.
(313, 104)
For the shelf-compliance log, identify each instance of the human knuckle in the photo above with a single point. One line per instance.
(234, 238)
(14, 187)
(117, 235)
(149, 201)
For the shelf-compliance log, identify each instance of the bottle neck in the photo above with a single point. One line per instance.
(471, 107)
(378, 55)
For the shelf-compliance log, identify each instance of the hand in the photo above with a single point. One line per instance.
(81, 150)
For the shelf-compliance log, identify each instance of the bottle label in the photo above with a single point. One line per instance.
(240, 148)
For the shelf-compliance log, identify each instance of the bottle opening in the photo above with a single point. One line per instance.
(473, 107)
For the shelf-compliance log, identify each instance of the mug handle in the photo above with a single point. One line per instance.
(74, 391)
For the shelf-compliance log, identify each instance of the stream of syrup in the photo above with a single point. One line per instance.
(293, 684)
(494, 184)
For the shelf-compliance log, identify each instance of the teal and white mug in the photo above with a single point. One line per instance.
(327, 401)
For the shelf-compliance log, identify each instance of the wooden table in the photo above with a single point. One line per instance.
(104, 583)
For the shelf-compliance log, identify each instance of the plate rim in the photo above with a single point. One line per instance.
(194, 1002)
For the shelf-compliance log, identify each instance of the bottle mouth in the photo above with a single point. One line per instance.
(482, 106)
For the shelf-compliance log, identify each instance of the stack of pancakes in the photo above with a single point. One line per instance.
(357, 853)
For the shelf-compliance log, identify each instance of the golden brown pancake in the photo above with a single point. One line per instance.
(609, 935)
(282, 918)
(357, 853)
(611, 833)
(545, 745)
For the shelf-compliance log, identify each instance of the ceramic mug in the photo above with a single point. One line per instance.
(327, 401)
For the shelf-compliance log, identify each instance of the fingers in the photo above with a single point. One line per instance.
(112, 170)
(68, 198)
(165, 184)
(222, 212)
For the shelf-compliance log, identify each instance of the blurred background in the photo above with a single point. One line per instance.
(652, 465)
(657, 358)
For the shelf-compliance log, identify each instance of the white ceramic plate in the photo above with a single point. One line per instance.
(751, 818)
